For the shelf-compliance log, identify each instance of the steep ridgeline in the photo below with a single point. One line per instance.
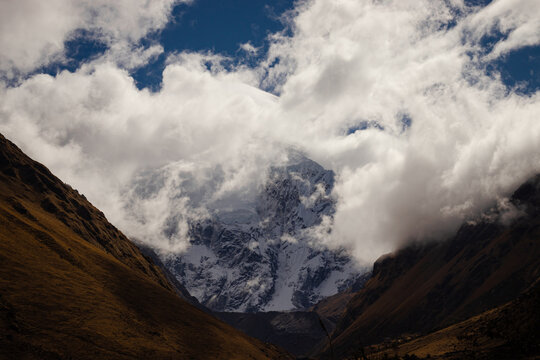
(74, 287)
(261, 257)
(427, 287)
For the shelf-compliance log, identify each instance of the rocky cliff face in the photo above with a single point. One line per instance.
(262, 257)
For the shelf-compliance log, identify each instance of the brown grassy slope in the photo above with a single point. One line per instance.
(427, 287)
(510, 331)
(73, 287)
(331, 308)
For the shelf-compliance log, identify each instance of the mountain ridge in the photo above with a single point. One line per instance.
(73, 286)
(429, 286)
(262, 257)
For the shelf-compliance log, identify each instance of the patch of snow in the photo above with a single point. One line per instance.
(260, 256)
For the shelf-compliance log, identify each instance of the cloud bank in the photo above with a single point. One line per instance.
(392, 95)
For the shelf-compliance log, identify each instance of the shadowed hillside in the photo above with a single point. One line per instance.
(73, 287)
(295, 331)
(427, 287)
(510, 331)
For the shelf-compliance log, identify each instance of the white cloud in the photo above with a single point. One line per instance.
(33, 32)
(519, 20)
(97, 131)
(249, 48)
(374, 61)
(206, 139)
(129, 56)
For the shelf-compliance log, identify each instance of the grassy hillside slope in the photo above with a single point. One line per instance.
(427, 287)
(73, 287)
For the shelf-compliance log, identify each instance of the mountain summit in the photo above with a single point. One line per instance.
(263, 257)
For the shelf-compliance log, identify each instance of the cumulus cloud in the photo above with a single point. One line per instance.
(391, 95)
(469, 140)
(97, 131)
(33, 32)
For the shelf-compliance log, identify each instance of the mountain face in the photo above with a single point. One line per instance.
(262, 257)
(296, 331)
(426, 287)
(74, 287)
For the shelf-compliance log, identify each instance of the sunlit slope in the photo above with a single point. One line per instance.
(73, 287)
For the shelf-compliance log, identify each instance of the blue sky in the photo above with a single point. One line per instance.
(203, 25)
(520, 69)
(221, 26)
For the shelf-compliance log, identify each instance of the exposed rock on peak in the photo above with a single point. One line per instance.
(262, 257)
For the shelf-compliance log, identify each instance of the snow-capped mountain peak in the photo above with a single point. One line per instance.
(260, 257)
